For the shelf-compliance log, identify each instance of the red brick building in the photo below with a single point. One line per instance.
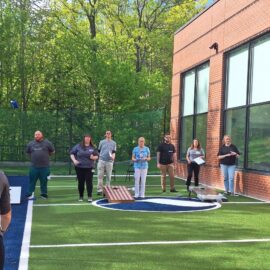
(221, 85)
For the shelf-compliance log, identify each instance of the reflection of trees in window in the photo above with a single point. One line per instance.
(187, 130)
(235, 127)
(259, 138)
(195, 85)
(201, 129)
(247, 108)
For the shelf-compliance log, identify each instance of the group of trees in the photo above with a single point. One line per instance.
(92, 55)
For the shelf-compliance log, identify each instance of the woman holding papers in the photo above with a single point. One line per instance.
(195, 155)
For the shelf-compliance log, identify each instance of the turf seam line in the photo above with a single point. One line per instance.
(152, 243)
(24, 256)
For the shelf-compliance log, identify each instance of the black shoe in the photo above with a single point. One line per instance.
(163, 190)
(173, 190)
(44, 196)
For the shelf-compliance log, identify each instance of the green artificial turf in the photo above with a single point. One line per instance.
(243, 256)
(84, 223)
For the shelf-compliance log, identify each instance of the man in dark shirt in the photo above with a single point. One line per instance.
(39, 150)
(5, 212)
(165, 162)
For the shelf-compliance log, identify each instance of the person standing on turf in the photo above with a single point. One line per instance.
(39, 151)
(107, 150)
(166, 156)
(140, 157)
(227, 155)
(83, 156)
(5, 214)
(193, 152)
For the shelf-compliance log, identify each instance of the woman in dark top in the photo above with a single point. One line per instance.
(193, 152)
(227, 155)
(83, 156)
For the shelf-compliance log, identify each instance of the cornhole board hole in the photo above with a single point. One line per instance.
(15, 195)
(207, 194)
(116, 194)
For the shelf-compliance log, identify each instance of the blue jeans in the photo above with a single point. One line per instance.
(228, 173)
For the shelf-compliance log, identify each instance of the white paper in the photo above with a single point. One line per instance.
(199, 161)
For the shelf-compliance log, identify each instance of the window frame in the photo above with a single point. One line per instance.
(195, 114)
(250, 46)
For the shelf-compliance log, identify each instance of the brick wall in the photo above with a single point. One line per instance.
(229, 23)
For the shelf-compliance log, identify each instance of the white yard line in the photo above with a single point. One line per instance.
(62, 204)
(153, 243)
(24, 257)
(75, 185)
(86, 203)
(117, 175)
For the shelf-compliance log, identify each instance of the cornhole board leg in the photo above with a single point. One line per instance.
(116, 194)
(207, 194)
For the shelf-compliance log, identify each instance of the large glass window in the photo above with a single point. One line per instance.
(237, 78)
(235, 127)
(189, 85)
(247, 109)
(187, 133)
(202, 89)
(260, 89)
(259, 138)
(194, 107)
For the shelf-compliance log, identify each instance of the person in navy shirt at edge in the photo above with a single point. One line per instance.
(83, 156)
(5, 214)
(140, 157)
(227, 155)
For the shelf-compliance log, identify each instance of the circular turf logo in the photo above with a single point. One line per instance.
(160, 204)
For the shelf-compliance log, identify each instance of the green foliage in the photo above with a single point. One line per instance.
(95, 56)
(66, 128)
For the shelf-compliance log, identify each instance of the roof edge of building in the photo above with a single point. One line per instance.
(195, 17)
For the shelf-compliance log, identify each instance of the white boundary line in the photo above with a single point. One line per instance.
(118, 175)
(63, 204)
(93, 203)
(24, 256)
(153, 243)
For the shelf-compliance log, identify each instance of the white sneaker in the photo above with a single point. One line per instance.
(90, 199)
(80, 199)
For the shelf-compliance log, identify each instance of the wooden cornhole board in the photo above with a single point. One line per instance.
(207, 194)
(115, 194)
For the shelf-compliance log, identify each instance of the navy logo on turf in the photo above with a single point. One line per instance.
(160, 204)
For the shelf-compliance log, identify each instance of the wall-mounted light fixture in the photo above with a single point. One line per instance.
(214, 46)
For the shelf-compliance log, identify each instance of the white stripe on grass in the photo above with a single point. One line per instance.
(24, 257)
(87, 203)
(75, 186)
(116, 175)
(62, 204)
(153, 243)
